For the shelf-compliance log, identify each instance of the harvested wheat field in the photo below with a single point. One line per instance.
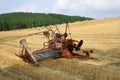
(102, 36)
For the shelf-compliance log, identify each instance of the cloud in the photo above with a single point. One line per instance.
(26, 7)
(64, 4)
(92, 8)
(102, 4)
(88, 8)
(95, 4)
(35, 6)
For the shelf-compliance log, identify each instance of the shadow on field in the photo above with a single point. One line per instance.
(67, 69)
(113, 53)
(18, 72)
(10, 38)
(11, 45)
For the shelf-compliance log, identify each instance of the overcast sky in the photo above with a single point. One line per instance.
(88, 8)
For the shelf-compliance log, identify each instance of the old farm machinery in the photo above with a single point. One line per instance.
(58, 45)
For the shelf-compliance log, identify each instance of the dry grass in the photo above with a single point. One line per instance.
(103, 36)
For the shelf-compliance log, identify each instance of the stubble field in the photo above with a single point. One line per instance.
(102, 36)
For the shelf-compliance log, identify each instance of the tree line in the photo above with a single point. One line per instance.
(22, 20)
